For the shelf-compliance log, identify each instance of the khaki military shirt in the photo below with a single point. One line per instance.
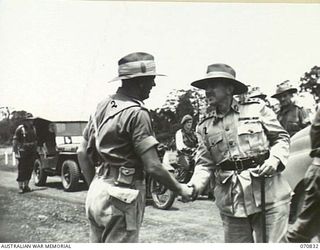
(247, 130)
(120, 130)
(293, 118)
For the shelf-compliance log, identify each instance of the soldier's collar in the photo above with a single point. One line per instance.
(235, 105)
(286, 108)
(122, 92)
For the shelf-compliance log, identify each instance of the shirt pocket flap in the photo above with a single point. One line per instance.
(126, 195)
(249, 128)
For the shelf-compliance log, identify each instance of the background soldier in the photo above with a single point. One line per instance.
(307, 225)
(255, 92)
(25, 149)
(239, 143)
(186, 144)
(292, 117)
(120, 132)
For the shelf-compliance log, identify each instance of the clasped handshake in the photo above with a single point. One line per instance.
(188, 192)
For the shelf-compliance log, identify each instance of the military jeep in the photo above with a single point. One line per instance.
(57, 152)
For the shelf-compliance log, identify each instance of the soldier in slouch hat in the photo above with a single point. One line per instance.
(121, 134)
(292, 117)
(240, 141)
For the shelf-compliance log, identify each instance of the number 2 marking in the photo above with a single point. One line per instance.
(113, 104)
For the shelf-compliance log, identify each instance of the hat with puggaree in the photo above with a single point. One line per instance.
(186, 118)
(136, 65)
(218, 72)
(255, 92)
(284, 87)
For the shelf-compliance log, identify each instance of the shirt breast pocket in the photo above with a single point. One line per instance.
(251, 135)
(217, 146)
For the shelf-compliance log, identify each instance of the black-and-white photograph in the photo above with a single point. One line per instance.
(159, 122)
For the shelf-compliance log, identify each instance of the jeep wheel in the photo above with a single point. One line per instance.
(70, 175)
(40, 178)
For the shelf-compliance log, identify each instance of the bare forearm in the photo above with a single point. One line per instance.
(87, 167)
(86, 164)
(160, 174)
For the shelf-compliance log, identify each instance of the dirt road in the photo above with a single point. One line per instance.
(48, 214)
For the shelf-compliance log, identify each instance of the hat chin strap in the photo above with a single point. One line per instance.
(138, 67)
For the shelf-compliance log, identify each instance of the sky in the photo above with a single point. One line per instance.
(58, 56)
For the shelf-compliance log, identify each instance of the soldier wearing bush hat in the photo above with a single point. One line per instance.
(240, 142)
(255, 92)
(292, 117)
(120, 133)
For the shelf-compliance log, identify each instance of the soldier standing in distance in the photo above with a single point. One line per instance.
(239, 143)
(25, 149)
(120, 132)
(292, 117)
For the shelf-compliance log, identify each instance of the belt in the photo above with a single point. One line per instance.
(241, 164)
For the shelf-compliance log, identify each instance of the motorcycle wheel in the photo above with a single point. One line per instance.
(162, 197)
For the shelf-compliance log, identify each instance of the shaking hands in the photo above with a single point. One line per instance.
(188, 192)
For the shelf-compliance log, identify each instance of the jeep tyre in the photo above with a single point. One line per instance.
(70, 175)
(40, 177)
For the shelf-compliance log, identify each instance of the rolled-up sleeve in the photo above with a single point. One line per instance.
(87, 129)
(142, 132)
(278, 137)
(89, 136)
(179, 140)
(204, 165)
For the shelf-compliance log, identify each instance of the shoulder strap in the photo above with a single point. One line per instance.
(111, 108)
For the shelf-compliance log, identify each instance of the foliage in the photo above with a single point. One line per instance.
(310, 82)
(166, 120)
(9, 125)
(184, 106)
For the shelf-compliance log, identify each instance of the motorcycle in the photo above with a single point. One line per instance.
(182, 170)
(161, 197)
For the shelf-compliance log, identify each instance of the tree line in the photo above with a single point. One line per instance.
(166, 120)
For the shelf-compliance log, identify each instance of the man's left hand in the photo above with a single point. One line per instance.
(269, 167)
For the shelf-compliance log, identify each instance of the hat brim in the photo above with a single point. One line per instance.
(29, 118)
(259, 96)
(134, 76)
(239, 87)
(291, 91)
